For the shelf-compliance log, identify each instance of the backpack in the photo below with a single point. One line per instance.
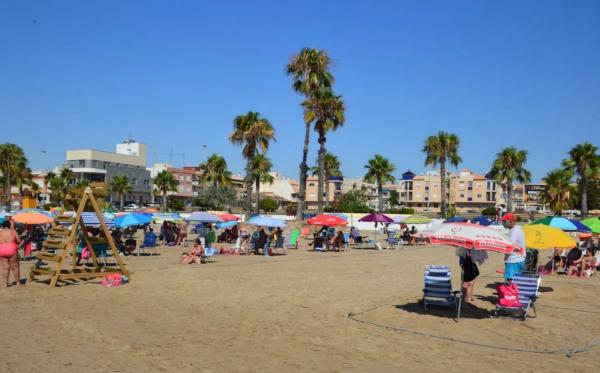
(508, 295)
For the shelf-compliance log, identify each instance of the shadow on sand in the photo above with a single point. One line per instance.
(468, 311)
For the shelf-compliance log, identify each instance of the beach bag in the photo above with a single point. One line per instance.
(85, 253)
(508, 295)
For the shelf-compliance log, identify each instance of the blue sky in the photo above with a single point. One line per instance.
(81, 74)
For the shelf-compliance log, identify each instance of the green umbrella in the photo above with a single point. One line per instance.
(416, 219)
(592, 223)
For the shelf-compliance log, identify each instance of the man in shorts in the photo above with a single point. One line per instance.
(514, 263)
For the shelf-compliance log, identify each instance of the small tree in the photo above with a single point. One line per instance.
(165, 182)
(355, 201)
(268, 205)
(394, 198)
(220, 198)
(174, 204)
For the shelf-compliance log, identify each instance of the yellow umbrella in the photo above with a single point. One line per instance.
(539, 236)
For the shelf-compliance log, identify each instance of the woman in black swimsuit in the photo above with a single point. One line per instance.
(470, 273)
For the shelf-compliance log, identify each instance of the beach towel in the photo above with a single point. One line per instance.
(114, 280)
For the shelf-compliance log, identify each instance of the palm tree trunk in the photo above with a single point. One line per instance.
(321, 174)
(303, 175)
(443, 187)
(327, 204)
(121, 198)
(380, 193)
(165, 200)
(257, 195)
(584, 193)
(509, 197)
(248, 182)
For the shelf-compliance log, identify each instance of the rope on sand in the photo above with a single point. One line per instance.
(568, 351)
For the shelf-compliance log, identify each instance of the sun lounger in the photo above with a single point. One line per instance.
(293, 242)
(529, 286)
(148, 244)
(438, 288)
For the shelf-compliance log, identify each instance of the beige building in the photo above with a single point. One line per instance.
(466, 190)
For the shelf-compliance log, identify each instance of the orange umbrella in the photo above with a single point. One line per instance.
(228, 217)
(32, 218)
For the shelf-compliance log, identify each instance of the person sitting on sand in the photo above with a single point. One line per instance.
(574, 259)
(339, 242)
(196, 254)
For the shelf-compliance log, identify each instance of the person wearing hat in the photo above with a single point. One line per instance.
(514, 263)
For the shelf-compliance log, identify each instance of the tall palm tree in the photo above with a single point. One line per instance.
(59, 190)
(326, 110)
(585, 163)
(215, 171)
(12, 158)
(332, 168)
(261, 166)
(558, 184)
(309, 70)
(439, 149)
(379, 171)
(254, 133)
(508, 167)
(120, 184)
(165, 182)
(23, 177)
(67, 175)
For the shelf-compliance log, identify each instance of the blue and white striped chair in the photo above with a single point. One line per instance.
(529, 286)
(392, 239)
(438, 288)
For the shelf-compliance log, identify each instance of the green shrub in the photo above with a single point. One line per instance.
(488, 211)
(268, 205)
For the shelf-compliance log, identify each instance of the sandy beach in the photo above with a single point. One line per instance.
(290, 313)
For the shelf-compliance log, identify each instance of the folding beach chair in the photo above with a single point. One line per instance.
(438, 288)
(293, 242)
(148, 244)
(529, 286)
(392, 240)
(279, 243)
(209, 252)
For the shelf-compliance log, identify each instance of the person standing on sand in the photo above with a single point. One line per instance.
(514, 263)
(9, 241)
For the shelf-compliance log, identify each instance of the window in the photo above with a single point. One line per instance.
(426, 199)
(469, 199)
(188, 178)
(134, 181)
(311, 184)
(462, 195)
(426, 188)
(81, 163)
(478, 195)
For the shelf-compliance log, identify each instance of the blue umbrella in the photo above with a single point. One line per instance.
(227, 224)
(563, 224)
(129, 220)
(267, 221)
(204, 217)
(482, 220)
(91, 220)
(144, 218)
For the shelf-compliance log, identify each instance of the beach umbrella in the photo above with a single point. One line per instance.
(328, 220)
(540, 236)
(227, 224)
(228, 217)
(129, 220)
(90, 219)
(144, 218)
(470, 236)
(563, 223)
(376, 218)
(204, 217)
(267, 221)
(482, 220)
(398, 219)
(108, 215)
(592, 223)
(33, 218)
(150, 210)
(456, 219)
(416, 219)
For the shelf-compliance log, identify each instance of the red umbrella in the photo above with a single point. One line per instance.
(228, 217)
(328, 220)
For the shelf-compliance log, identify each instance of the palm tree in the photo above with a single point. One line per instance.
(59, 190)
(558, 184)
(12, 159)
(67, 175)
(440, 149)
(215, 171)
(584, 162)
(379, 171)
(326, 110)
(120, 184)
(508, 167)
(309, 70)
(254, 133)
(165, 182)
(332, 168)
(261, 166)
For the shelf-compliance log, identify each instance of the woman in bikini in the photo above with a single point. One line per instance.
(196, 254)
(8, 252)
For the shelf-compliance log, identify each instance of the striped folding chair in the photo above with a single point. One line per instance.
(392, 239)
(529, 286)
(438, 288)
